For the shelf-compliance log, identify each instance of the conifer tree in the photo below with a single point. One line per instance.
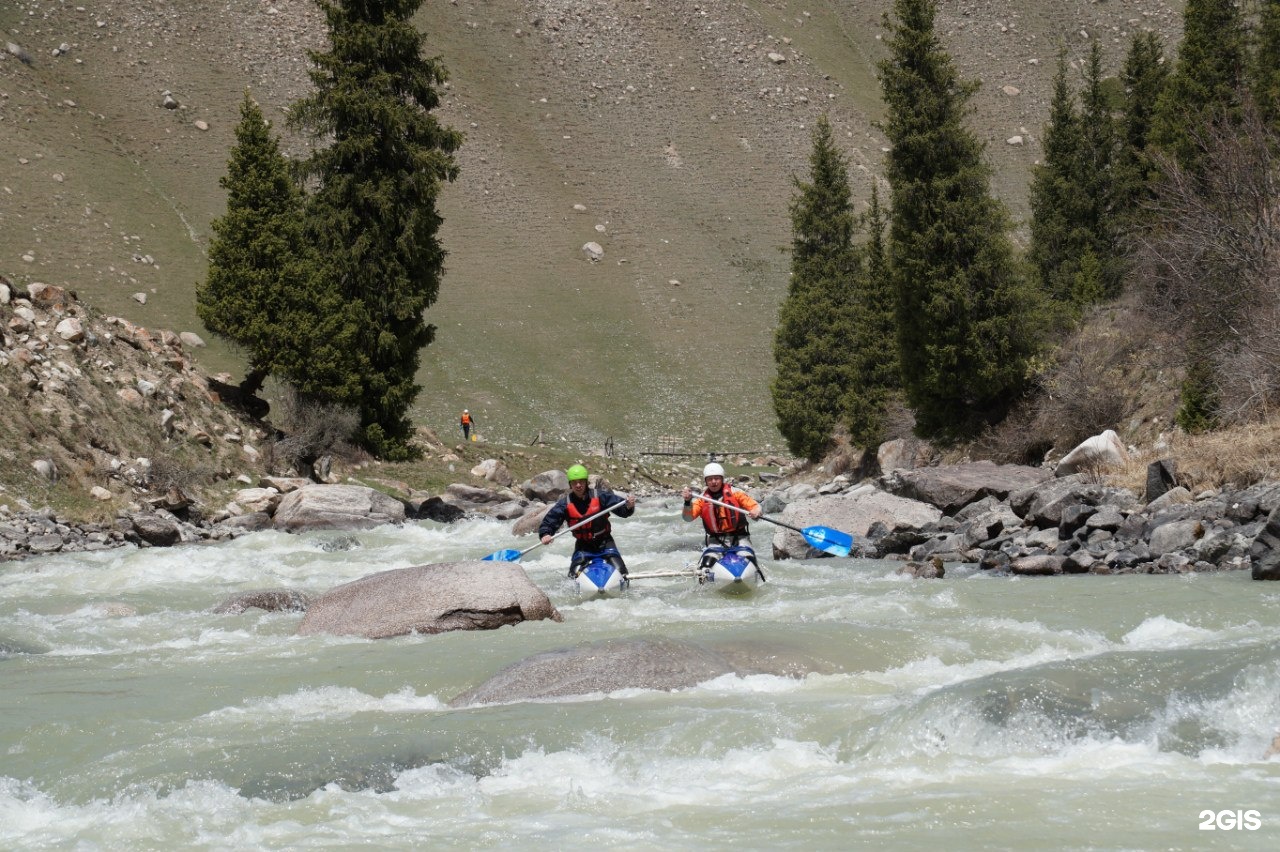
(965, 312)
(382, 159)
(1265, 75)
(875, 349)
(1099, 178)
(256, 255)
(1145, 75)
(1204, 87)
(813, 343)
(1059, 204)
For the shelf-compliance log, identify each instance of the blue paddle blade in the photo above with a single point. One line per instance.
(828, 540)
(503, 556)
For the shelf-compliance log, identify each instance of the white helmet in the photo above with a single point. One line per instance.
(712, 469)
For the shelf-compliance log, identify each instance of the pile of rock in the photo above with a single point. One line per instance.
(1022, 520)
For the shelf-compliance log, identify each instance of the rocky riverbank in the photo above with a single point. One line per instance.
(1024, 521)
(1007, 519)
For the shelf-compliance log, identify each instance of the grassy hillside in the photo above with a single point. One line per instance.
(667, 121)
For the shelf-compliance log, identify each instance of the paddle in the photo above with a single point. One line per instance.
(513, 555)
(831, 541)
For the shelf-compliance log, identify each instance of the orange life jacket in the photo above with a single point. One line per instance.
(466, 419)
(587, 532)
(721, 521)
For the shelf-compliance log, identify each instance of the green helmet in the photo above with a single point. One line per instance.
(576, 472)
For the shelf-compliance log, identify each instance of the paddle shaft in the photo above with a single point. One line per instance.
(581, 523)
(745, 512)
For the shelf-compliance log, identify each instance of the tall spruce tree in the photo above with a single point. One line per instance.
(965, 311)
(1265, 67)
(1205, 85)
(1059, 204)
(378, 169)
(1145, 75)
(875, 350)
(814, 341)
(1101, 150)
(256, 256)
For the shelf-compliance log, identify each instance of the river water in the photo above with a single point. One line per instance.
(969, 712)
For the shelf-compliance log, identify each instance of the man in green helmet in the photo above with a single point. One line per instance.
(590, 539)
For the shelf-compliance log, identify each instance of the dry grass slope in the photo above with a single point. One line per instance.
(667, 121)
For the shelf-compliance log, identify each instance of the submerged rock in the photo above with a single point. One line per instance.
(603, 667)
(271, 600)
(640, 663)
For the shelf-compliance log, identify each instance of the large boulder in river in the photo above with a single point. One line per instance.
(329, 507)
(951, 487)
(852, 511)
(640, 663)
(435, 598)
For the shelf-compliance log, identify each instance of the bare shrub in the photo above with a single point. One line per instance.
(1087, 390)
(1093, 383)
(1208, 261)
(842, 456)
(899, 421)
(312, 429)
(171, 471)
(1016, 439)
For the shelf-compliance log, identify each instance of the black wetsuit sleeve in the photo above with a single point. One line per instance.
(554, 517)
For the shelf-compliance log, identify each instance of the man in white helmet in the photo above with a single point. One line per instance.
(724, 527)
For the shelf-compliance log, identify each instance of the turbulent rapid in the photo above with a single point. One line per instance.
(970, 712)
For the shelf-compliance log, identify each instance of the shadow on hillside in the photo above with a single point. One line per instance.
(234, 397)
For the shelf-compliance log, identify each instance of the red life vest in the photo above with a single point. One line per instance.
(466, 420)
(721, 521)
(595, 529)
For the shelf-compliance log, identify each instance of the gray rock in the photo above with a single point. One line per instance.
(1161, 476)
(241, 524)
(934, 569)
(430, 599)
(604, 667)
(530, 520)
(1037, 565)
(336, 507)
(852, 512)
(1172, 497)
(1106, 518)
(548, 486)
(1177, 535)
(460, 493)
(271, 600)
(158, 529)
(1096, 453)
(1264, 552)
(436, 509)
(952, 487)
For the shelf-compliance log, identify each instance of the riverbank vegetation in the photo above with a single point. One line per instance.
(1153, 247)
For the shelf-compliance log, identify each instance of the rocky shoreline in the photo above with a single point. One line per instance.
(1007, 519)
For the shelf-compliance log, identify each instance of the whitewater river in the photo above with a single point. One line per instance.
(971, 712)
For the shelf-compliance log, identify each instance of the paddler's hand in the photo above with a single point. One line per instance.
(686, 493)
(631, 501)
(546, 539)
(756, 513)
